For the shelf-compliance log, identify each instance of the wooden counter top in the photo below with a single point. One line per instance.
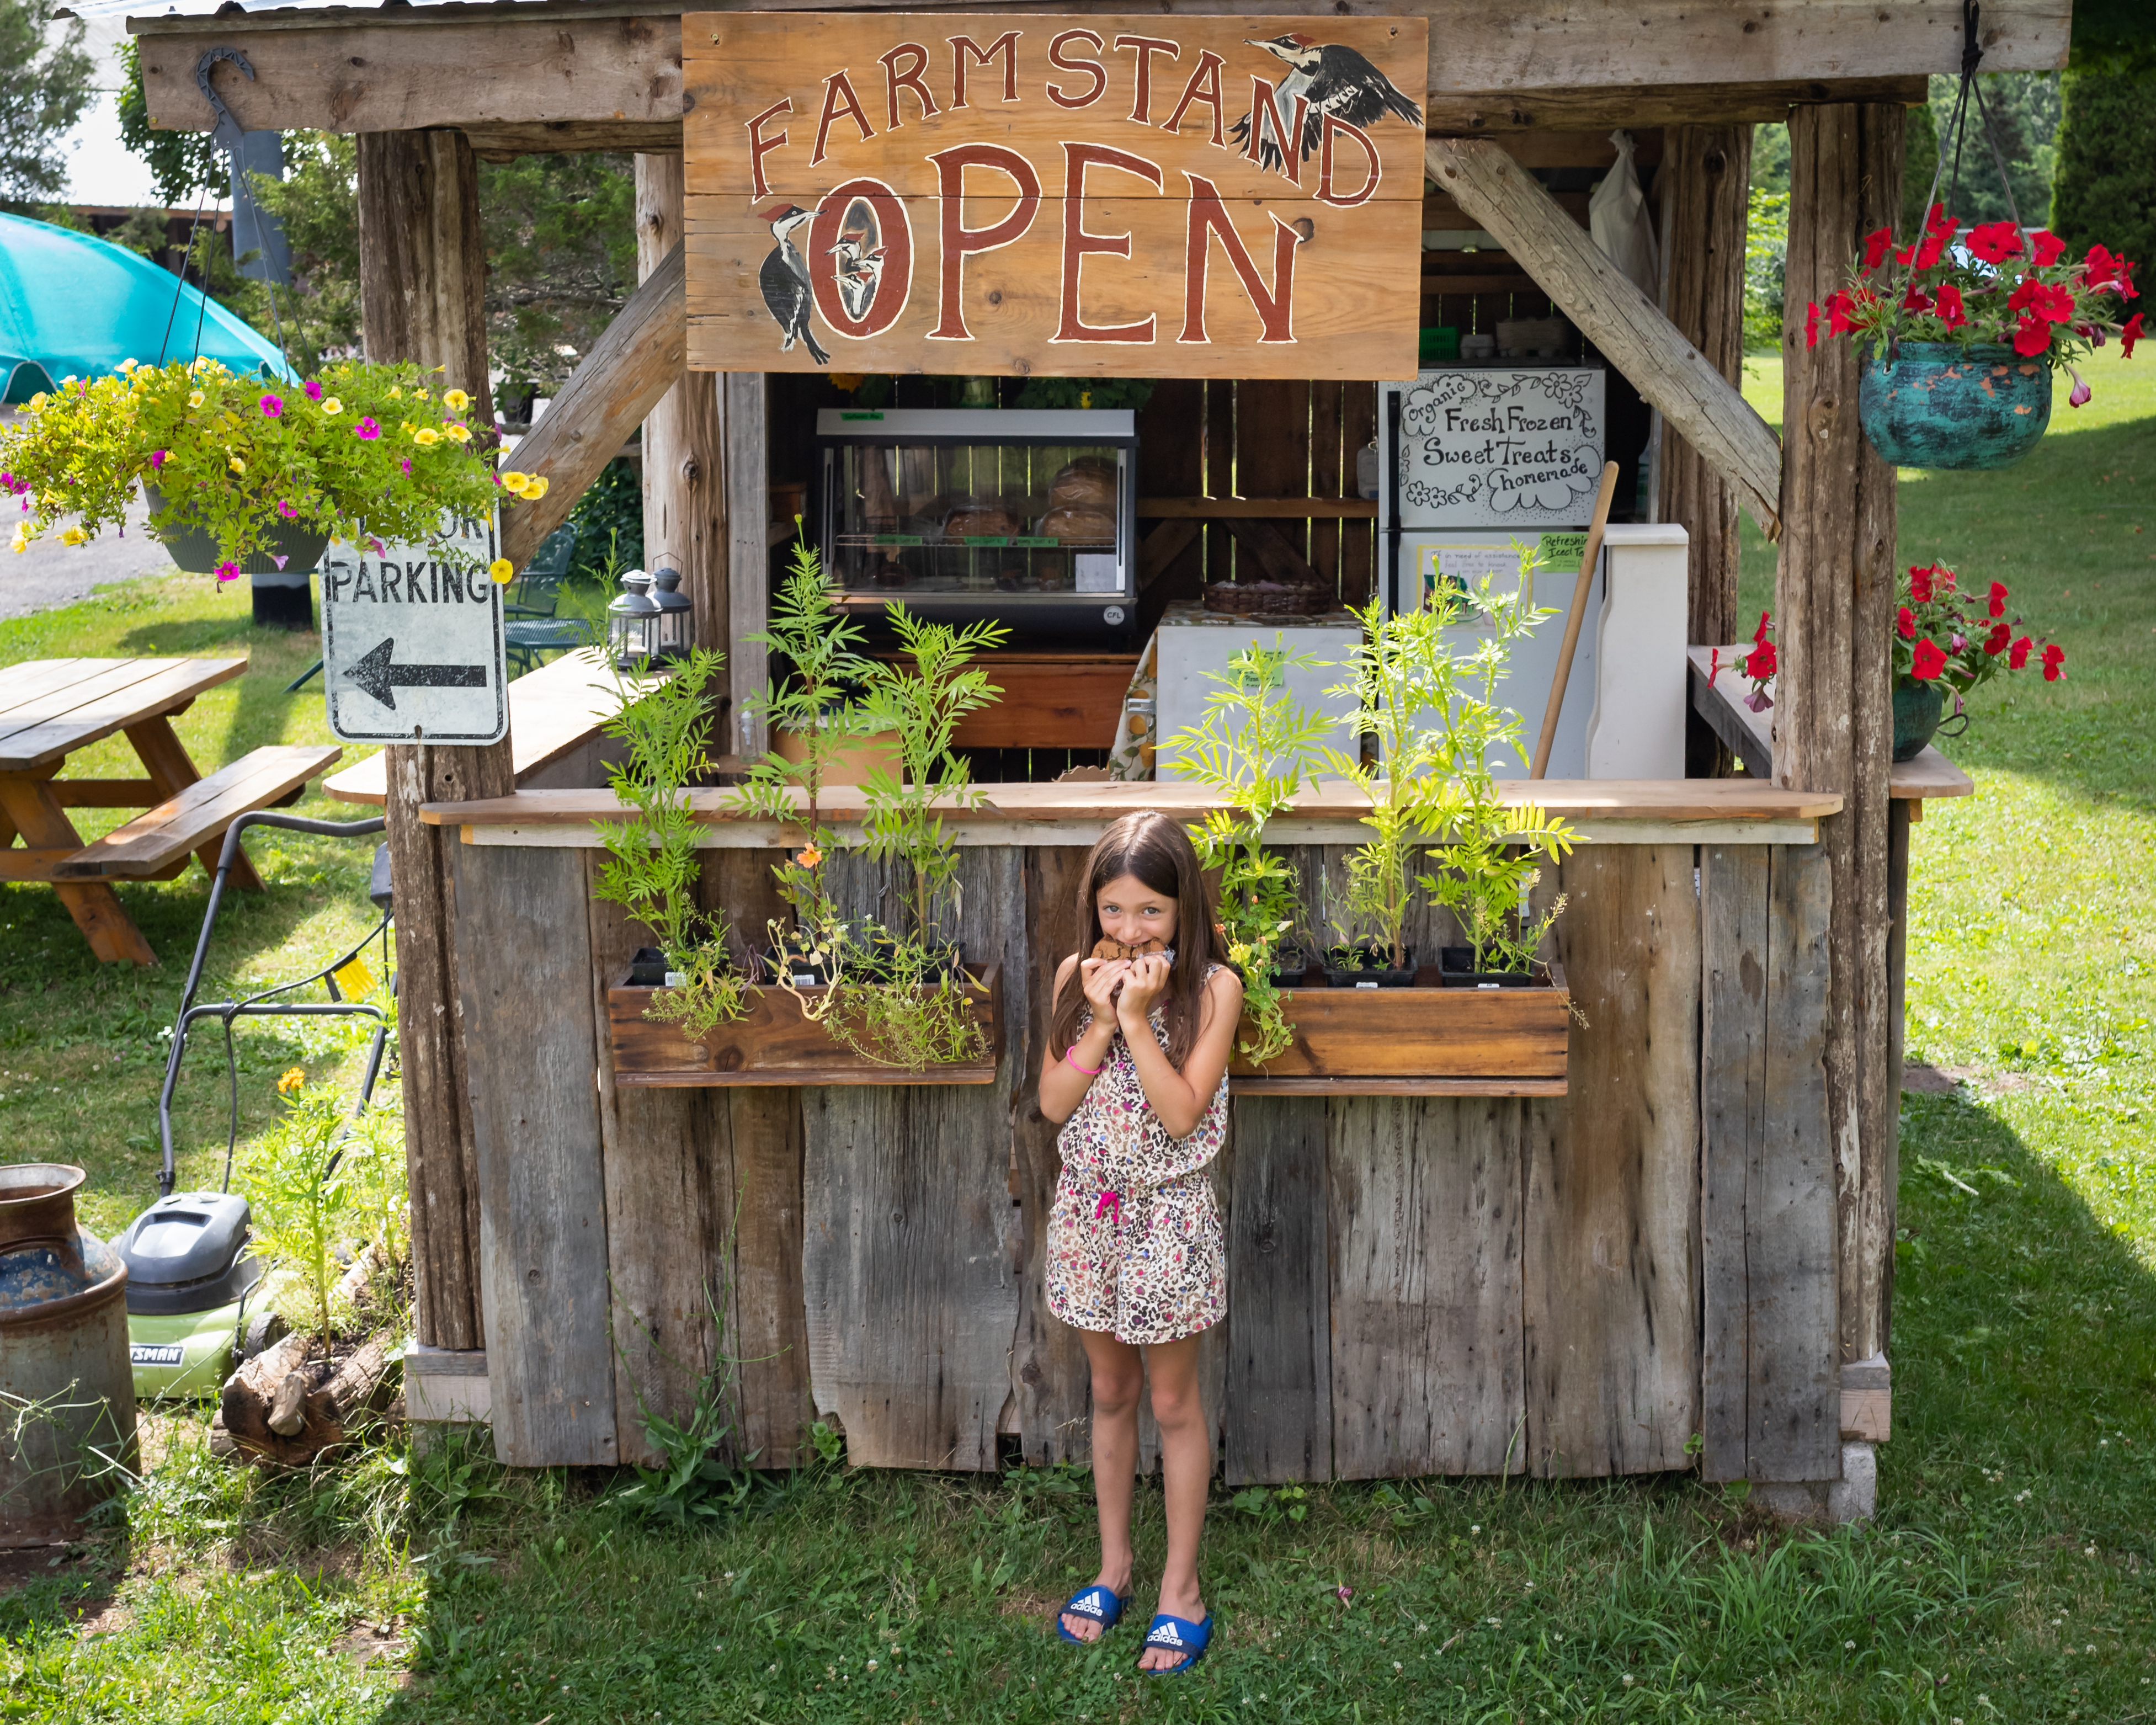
(1620, 811)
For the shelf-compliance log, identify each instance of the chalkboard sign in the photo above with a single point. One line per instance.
(1501, 449)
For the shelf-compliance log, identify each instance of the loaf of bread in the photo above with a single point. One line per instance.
(1084, 525)
(984, 518)
(1087, 483)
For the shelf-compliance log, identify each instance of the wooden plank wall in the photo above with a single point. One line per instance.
(1418, 1285)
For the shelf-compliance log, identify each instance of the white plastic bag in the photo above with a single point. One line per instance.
(1617, 216)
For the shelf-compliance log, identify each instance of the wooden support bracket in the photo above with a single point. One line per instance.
(624, 376)
(1612, 312)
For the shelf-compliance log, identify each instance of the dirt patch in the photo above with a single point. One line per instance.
(1031, 1603)
(1925, 1080)
(366, 1645)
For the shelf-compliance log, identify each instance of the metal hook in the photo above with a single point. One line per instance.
(227, 130)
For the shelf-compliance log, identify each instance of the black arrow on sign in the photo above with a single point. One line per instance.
(381, 679)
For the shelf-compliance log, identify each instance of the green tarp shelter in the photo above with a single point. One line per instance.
(72, 305)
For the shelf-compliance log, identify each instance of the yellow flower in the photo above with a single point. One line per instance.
(396, 394)
(127, 365)
(22, 541)
(422, 395)
(535, 488)
(237, 465)
(426, 437)
(514, 482)
(462, 433)
(456, 400)
(195, 398)
(331, 406)
(38, 399)
(293, 1079)
(74, 535)
(502, 569)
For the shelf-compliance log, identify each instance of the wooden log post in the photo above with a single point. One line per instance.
(684, 513)
(423, 274)
(1833, 713)
(1706, 174)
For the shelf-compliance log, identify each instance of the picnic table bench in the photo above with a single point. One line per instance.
(52, 708)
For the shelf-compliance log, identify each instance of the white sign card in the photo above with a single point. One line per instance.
(412, 641)
(1501, 449)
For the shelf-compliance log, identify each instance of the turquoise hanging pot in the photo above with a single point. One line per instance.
(1937, 404)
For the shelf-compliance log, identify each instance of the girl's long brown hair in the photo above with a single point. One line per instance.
(1154, 850)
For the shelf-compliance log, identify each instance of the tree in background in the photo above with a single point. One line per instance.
(45, 88)
(561, 259)
(182, 163)
(2025, 115)
(318, 202)
(2106, 189)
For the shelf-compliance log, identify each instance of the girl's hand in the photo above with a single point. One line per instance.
(1098, 978)
(1146, 982)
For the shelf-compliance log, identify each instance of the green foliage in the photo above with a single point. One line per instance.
(608, 520)
(373, 1170)
(317, 203)
(1081, 393)
(652, 866)
(2025, 115)
(2105, 192)
(691, 1486)
(234, 453)
(1252, 749)
(1766, 258)
(182, 163)
(811, 699)
(301, 1191)
(45, 92)
(560, 258)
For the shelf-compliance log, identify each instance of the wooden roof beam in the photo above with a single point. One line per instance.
(1628, 326)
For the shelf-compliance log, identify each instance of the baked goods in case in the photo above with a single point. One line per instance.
(982, 518)
(1081, 502)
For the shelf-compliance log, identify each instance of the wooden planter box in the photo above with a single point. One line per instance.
(1425, 1041)
(776, 1044)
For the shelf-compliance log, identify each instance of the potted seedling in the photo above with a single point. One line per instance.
(1252, 749)
(652, 868)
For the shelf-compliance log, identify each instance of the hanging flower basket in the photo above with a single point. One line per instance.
(1935, 404)
(244, 474)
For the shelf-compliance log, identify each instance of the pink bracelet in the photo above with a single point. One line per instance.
(1089, 1071)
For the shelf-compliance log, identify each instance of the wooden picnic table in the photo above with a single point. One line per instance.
(51, 708)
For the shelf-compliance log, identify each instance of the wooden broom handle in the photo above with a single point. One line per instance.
(1588, 554)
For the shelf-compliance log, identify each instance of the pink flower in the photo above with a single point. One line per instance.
(406, 464)
(1343, 1592)
(157, 459)
(227, 572)
(2080, 393)
(273, 407)
(314, 390)
(367, 431)
(285, 510)
(279, 558)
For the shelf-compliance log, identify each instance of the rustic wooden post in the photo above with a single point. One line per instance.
(1705, 173)
(1833, 716)
(748, 486)
(422, 277)
(684, 513)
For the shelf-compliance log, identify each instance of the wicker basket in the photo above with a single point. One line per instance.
(1264, 598)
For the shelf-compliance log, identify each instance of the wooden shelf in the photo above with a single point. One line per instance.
(1245, 509)
(1430, 1039)
(1396, 1086)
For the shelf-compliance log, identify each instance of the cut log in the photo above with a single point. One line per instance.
(1612, 312)
(286, 1407)
(630, 367)
(287, 1412)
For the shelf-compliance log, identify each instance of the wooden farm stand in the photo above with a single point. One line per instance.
(1696, 1237)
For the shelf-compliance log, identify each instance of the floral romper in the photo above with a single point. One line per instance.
(1134, 1245)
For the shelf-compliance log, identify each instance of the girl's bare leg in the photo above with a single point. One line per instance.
(1186, 1461)
(1118, 1376)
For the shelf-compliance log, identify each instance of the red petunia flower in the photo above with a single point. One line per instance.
(1875, 249)
(2020, 656)
(1916, 299)
(2130, 333)
(1760, 635)
(1811, 323)
(2032, 336)
(1998, 598)
(1760, 663)
(1920, 585)
(2053, 303)
(1839, 305)
(1995, 241)
(2046, 248)
(1929, 660)
(1905, 623)
(1932, 249)
(1938, 221)
(1950, 306)
(2101, 267)
(2054, 663)
(1994, 644)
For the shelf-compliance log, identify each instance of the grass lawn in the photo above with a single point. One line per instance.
(2011, 1575)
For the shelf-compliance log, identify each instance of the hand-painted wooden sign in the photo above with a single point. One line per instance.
(1075, 196)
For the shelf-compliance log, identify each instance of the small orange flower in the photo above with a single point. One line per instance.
(810, 857)
(291, 1081)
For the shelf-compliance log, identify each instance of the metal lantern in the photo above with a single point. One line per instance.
(633, 623)
(677, 615)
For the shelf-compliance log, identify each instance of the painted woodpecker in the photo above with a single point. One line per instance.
(1334, 79)
(784, 280)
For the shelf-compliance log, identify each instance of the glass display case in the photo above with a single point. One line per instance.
(1028, 517)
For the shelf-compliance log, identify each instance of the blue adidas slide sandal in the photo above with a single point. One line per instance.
(1180, 1635)
(1095, 1604)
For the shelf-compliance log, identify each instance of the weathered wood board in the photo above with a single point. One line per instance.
(1086, 196)
(1279, 1338)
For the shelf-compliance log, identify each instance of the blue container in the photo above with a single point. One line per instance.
(1939, 405)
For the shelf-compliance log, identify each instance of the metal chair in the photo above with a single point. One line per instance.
(534, 626)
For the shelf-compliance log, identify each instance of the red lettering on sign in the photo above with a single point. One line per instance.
(1265, 117)
(1374, 173)
(860, 258)
(838, 98)
(1056, 59)
(963, 46)
(1077, 158)
(894, 80)
(959, 240)
(1147, 47)
(1209, 217)
(760, 146)
(1204, 86)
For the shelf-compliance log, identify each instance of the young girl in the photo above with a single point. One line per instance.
(1138, 1066)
